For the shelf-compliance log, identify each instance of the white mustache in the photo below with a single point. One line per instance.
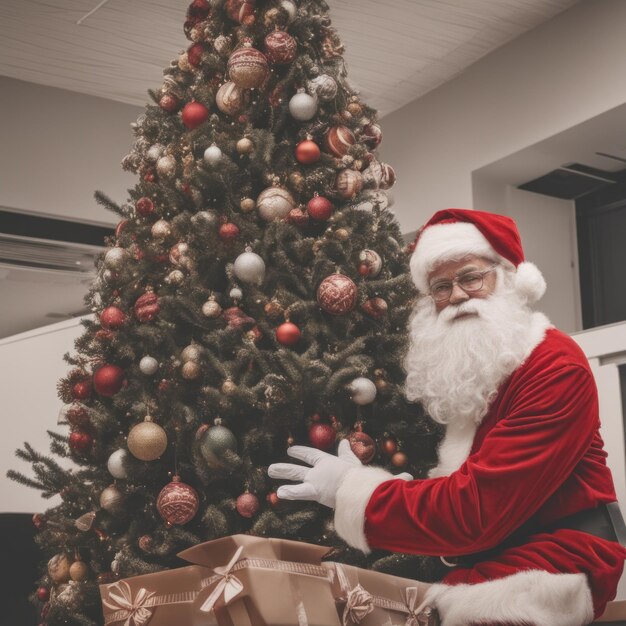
(454, 310)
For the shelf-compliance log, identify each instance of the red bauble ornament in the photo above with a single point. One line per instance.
(372, 135)
(339, 139)
(308, 152)
(194, 114)
(280, 47)
(112, 318)
(43, 594)
(108, 380)
(147, 306)
(273, 499)
(375, 307)
(198, 8)
(177, 502)
(81, 390)
(389, 446)
(247, 505)
(121, 225)
(288, 334)
(337, 294)
(169, 102)
(320, 208)
(80, 441)
(298, 217)
(194, 54)
(77, 415)
(399, 459)
(144, 206)
(363, 446)
(322, 435)
(239, 10)
(229, 231)
(39, 521)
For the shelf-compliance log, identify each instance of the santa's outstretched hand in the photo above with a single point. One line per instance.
(320, 482)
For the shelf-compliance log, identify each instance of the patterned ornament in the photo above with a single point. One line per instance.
(147, 441)
(337, 294)
(111, 499)
(115, 464)
(320, 208)
(148, 365)
(375, 307)
(177, 502)
(112, 318)
(213, 155)
(80, 441)
(363, 446)
(372, 135)
(239, 10)
(302, 106)
(323, 86)
(322, 435)
(230, 98)
(59, 568)
(288, 334)
(248, 67)
(108, 380)
(115, 258)
(372, 261)
(144, 206)
(247, 505)
(147, 306)
(194, 114)
(166, 166)
(339, 139)
(280, 47)
(274, 203)
(349, 183)
(145, 543)
(229, 231)
(362, 391)
(388, 176)
(308, 152)
(211, 308)
(249, 267)
(215, 442)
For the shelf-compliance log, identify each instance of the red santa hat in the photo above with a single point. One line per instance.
(456, 233)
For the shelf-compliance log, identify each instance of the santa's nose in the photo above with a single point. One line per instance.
(458, 295)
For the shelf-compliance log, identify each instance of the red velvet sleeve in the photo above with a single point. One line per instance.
(549, 424)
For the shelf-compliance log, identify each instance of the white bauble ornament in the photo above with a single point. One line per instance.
(302, 106)
(211, 308)
(323, 86)
(148, 365)
(274, 203)
(249, 267)
(115, 464)
(236, 293)
(115, 258)
(166, 166)
(362, 390)
(212, 154)
(155, 152)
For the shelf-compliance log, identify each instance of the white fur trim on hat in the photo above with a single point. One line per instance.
(529, 282)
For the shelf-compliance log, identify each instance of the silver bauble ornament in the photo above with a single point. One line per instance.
(148, 365)
(274, 203)
(155, 152)
(115, 258)
(302, 106)
(249, 267)
(323, 86)
(166, 166)
(115, 464)
(161, 229)
(235, 293)
(212, 154)
(111, 499)
(211, 309)
(362, 390)
(215, 442)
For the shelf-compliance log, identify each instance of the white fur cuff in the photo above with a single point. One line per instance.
(353, 494)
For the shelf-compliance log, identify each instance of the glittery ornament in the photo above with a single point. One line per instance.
(228, 231)
(355, 109)
(193, 352)
(280, 47)
(296, 180)
(349, 183)
(115, 258)
(215, 442)
(230, 98)
(247, 505)
(339, 139)
(228, 387)
(337, 294)
(147, 306)
(308, 152)
(322, 435)
(211, 309)
(59, 568)
(235, 293)
(111, 499)
(115, 464)
(342, 234)
(147, 441)
(177, 502)
(248, 67)
(375, 307)
(145, 543)
(388, 176)
(144, 206)
(362, 391)
(80, 441)
(302, 106)
(239, 10)
(320, 208)
(245, 146)
(112, 318)
(249, 267)
(161, 229)
(108, 380)
(274, 203)
(169, 102)
(79, 571)
(399, 459)
(323, 86)
(213, 155)
(372, 135)
(372, 260)
(288, 334)
(363, 446)
(81, 390)
(166, 166)
(190, 370)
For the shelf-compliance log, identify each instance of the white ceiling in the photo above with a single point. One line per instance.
(397, 50)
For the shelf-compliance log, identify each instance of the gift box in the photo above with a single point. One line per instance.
(370, 598)
(239, 580)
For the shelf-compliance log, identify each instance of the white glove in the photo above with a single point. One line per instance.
(320, 482)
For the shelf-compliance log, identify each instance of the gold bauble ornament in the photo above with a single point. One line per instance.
(59, 568)
(247, 205)
(161, 229)
(190, 370)
(342, 234)
(79, 571)
(147, 441)
(111, 499)
(245, 146)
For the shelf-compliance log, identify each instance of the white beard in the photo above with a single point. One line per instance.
(456, 366)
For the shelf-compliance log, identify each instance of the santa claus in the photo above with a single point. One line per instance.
(521, 506)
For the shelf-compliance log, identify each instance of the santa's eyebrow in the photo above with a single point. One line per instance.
(465, 270)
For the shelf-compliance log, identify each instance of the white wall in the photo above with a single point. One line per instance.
(63, 146)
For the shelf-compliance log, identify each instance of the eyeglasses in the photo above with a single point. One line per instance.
(469, 283)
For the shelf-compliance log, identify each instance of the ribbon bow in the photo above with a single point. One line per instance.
(136, 611)
(359, 603)
(411, 606)
(228, 584)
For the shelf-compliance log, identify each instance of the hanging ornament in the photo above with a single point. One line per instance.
(355, 109)
(215, 442)
(179, 255)
(247, 505)
(80, 441)
(349, 183)
(280, 47)
(147, 441)
(245, 146)
(323, 86)
(193, 352)
(166, 166)
(249, 267)
(230, 98)
(144, 206)
(79, 571)
(81, 390)
(235, 293)
(375, 307)
(161, 229)
(111, 499)
(43, 594)
(372, 262)
(372, 135)
(212, 155)
(322, 435)
(190, 370)
(288, 334)
(112, 318)
(108, 380)
(274, 203)
(59, 568)
(373, 175)
(147, 306)
(194, 54)
(175, 277)
(337, 294)
(302, 106)
(239, 10)
(169, 102)
(247, 205)
(273, 500)
(115, 464)
(308, 152)
(248, 67)
(363, 446)
(177, 502)
(362, 391)
(389, 445)
(228, 231)
(211, 308)
(399, 459)
(115, 258)
(320, 208)
(388, 176)
(339, 139)
(121, 226)
(229, 387)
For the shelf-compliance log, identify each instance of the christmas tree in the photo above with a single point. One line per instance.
(255, 295)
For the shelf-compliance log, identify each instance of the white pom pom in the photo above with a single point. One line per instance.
(529, 282)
